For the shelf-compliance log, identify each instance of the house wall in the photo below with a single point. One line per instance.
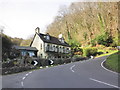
(39, 44)
(56, 51)
(48, 50)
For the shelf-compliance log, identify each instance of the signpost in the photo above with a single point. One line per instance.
(34, 62)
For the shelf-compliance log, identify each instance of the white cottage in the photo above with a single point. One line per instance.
(50, 47)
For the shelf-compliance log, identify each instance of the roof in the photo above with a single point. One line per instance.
(53, 40)
(25, 48)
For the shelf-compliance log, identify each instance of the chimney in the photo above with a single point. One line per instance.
(37, 30)
(60, 36)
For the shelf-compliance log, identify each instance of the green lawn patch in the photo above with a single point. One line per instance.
(113, 62)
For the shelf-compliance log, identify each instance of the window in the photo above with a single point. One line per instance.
(67, 50)
(48, 47)
(41, 46)
(59, 49)
(63, 49)
(48, 37)
(41, 55)
(56, 49)
(53, 48)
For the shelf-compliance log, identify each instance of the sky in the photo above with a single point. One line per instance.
(19, 18)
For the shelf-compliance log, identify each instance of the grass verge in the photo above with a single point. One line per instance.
(113, 62)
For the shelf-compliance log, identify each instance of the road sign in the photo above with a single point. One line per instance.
(34, 63)
(51, 62)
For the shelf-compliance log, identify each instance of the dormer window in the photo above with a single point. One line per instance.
(47, 36)
(62, 40)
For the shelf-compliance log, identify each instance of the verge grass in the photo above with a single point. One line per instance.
(113, 62)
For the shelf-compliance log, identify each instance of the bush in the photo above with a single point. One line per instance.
(43, 62)
(104, 39)
(89, 51)
(93, 42)
(58, 61)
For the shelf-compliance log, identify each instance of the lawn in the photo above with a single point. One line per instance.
(113, 62)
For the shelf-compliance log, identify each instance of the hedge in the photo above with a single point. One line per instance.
(89, 51)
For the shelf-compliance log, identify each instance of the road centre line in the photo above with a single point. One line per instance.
(23, 78)
(27, 74)
(22, 84)
(104, 83)
(106, 68)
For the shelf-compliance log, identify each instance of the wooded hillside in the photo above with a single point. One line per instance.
(87, 23)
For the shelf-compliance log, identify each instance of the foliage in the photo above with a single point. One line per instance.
(6, 46)
(8, 42)
(89, 51)
(87, 22)
(14, 53)
(74, 43)
(93, 42)
(26, 42)
(104, 39)
(16, 41)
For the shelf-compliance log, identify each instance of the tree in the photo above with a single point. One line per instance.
(6, 46)
(85, 21)
(26, 42)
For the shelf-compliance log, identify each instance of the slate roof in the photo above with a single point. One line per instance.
(25, 48)
(53, 40)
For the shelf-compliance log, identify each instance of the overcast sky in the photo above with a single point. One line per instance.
(21, 17)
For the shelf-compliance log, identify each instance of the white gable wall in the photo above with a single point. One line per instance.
(39, 44)
(53, 52)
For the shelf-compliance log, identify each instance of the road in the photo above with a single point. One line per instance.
(82, 74)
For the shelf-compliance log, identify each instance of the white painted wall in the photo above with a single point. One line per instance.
(37, 43)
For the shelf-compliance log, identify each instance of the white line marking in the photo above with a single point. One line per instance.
(107, 69)
(104, 83)
(22, 84)
(73, 71)
(23, 78)
(72, 68)
(27, 74)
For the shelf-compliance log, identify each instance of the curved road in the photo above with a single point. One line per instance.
(82, 74)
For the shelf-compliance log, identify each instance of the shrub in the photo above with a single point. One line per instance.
(93, 42)
(89, 51)
(104, 39)
(67, 60)
(58, 61)
(43, 62)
